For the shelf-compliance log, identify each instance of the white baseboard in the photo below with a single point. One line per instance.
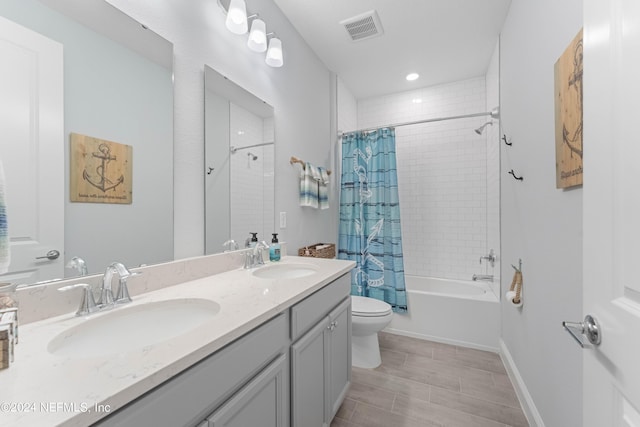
(526, 401)
(441, 340)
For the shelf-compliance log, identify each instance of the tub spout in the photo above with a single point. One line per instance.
(483, 277)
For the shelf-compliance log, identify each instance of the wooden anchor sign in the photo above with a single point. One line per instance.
(101, 171)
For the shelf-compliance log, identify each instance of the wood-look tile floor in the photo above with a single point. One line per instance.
(425, 383)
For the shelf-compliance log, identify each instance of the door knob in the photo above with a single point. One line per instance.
(51, 255)
(589, 328)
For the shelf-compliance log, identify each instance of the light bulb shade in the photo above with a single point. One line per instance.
(258, 36)
(274, 53)
(237, 17)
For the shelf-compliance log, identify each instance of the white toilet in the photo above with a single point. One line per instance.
(368, 316)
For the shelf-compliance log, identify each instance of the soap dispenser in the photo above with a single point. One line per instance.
(254, 240)
(274, 249)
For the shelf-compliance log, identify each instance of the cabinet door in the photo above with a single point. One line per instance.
(339, 355)
(261, 403)
(308, 379)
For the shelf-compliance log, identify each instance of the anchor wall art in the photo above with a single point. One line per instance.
(568, 103)
(101, 171)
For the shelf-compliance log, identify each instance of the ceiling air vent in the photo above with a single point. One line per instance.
(363, 26)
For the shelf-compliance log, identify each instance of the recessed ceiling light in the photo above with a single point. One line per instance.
(417, 100)
(412, 76)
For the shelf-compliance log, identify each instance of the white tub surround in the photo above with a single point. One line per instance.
(450, 311)
(64, 391)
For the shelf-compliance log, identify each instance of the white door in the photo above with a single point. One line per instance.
(611, 249)
(32, 151)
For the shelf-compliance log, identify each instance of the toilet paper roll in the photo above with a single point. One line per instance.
(510, 299)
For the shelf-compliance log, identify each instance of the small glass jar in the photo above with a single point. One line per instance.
(8, 297)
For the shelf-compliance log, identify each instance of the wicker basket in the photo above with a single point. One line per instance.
(329, 251)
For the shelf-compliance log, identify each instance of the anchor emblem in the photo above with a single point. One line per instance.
(103, 183)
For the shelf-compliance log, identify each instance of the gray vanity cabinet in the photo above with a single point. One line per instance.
(262, 402)
(321, 357)
(261, 380)
(254, 366)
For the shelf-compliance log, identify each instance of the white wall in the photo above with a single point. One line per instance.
(300, 93)
(442, 168)
(347, 108)
(540, 224)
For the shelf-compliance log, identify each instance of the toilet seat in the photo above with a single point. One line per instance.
(369, 307)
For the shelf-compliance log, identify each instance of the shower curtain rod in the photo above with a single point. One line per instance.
(495, 114)
(233, 149)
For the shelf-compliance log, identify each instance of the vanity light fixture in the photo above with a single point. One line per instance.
(237, 17)
(259, 41)
(274, 53)
(258, 36)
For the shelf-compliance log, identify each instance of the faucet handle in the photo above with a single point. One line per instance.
(106, 298)
(257, 252)
(123, 291)
(88, 303)
(248, 259)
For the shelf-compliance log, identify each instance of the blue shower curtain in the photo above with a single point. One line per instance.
(370, 216)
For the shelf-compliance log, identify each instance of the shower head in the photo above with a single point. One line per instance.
(252, 156)
(481, 128)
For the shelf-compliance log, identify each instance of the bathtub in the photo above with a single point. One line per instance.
(450, 311)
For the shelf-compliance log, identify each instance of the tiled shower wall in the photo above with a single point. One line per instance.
(251, 180)
(442, 175)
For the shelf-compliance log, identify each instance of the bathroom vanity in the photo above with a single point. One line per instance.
(276, 352)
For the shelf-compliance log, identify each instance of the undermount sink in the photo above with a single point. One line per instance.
(285, 271)
(132, 328)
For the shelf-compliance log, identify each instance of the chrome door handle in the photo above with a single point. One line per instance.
(51, 255)
(589, 328)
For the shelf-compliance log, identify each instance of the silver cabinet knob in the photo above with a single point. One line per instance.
(590, 328)
(51, 255)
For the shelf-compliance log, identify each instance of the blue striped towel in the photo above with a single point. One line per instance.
(5, 255)
(323, 188)
(309, 178)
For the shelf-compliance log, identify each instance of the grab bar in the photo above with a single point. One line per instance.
(483, 277)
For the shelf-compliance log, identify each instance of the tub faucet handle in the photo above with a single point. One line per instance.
(491, 257)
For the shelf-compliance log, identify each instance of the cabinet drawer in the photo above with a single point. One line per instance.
(193, 394)
(308, 312)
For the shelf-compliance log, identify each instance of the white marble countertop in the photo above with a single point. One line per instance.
(44, 389)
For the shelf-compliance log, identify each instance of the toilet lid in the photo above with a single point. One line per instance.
(363, 306)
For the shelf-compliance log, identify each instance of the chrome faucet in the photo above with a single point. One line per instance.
(253, 258)
(106, 293)
(233, 245)
(79, 264)
(88, 304)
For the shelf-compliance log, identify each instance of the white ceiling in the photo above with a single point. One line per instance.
(442, 40)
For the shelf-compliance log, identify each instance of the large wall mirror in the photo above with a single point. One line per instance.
(239, 164)
(118, 86)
